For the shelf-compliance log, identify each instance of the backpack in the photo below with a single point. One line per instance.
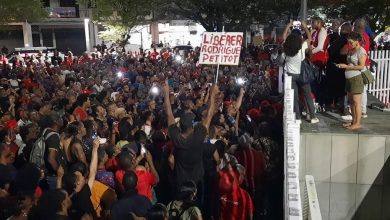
(175, 213)
(37, 155)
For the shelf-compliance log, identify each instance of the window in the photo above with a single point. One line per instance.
(46, 3)
(67, 3)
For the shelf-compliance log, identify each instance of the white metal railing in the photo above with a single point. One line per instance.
(292, 195)
(381, 86)
(311, 205)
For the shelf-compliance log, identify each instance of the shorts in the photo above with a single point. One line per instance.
(354, 85)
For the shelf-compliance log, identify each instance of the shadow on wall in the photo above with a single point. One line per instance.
(376, 203)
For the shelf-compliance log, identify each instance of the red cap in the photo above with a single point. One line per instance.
(11, 124)
(87, 91)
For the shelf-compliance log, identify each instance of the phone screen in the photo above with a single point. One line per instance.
(103, 140)
(296, 24)
(143, 150)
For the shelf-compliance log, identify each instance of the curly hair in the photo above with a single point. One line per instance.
(292, 45)
(354, 36)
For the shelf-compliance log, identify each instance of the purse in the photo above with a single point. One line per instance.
(308, 72)
(368, 78)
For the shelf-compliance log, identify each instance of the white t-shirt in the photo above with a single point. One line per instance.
(293, 64)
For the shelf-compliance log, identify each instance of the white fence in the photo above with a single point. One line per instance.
(381, 87)
(292, 194)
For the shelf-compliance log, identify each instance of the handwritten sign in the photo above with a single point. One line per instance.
(221, 48)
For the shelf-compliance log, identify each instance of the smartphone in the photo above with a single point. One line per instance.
(249, 118)
(94, 136)
(143, 150)
(103, 140)
(296, 25)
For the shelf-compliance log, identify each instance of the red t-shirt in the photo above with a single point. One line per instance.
(254, 163)
(366, 45)
(80, 113)
(235, 203)
(112, 164)
(145, 182)
(4, 60)
(165, 55)
(154, 55)
(119, 178)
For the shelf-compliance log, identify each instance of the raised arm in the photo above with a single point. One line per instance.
(286, 30)
(211, 110)
(167, 104)
(240, 98)
(308, 34)
(94, 163)
(149, 159)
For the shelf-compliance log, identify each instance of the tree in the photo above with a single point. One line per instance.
(123, 12)
(377, 12)
(21, 10)
(114, 33)
(235, 15)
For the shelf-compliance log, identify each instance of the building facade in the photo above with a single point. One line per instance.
(67, 28)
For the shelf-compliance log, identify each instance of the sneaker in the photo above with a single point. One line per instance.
(314, 120)
(347, 117)
(364, 115)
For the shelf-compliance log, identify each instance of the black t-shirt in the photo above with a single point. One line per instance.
(188, 153)
(208, 159)
(6, 175)
(53, 143)
(135, 203)
(82, 204)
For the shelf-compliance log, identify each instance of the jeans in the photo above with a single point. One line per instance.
(52, 182)
(295, 85)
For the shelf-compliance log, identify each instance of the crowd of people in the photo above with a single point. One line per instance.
(116, 135)
(340, 56)
(113, 135)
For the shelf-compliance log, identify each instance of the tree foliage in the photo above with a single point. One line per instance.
(114, 33)
(21, 10)
(123, 12)
(234, 15)
(377, 12)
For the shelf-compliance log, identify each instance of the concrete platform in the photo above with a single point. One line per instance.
(377, 123)
(351, 168)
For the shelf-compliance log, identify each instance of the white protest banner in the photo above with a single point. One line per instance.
(222, 48)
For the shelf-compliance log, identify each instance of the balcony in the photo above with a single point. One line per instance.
(62, 12)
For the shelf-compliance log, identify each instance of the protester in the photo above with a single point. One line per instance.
(336, 77)
(320, 41)
(131, 202)
(359, 26)
(356, 60)
(295, 49)
(184, 207)
(138, 128)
